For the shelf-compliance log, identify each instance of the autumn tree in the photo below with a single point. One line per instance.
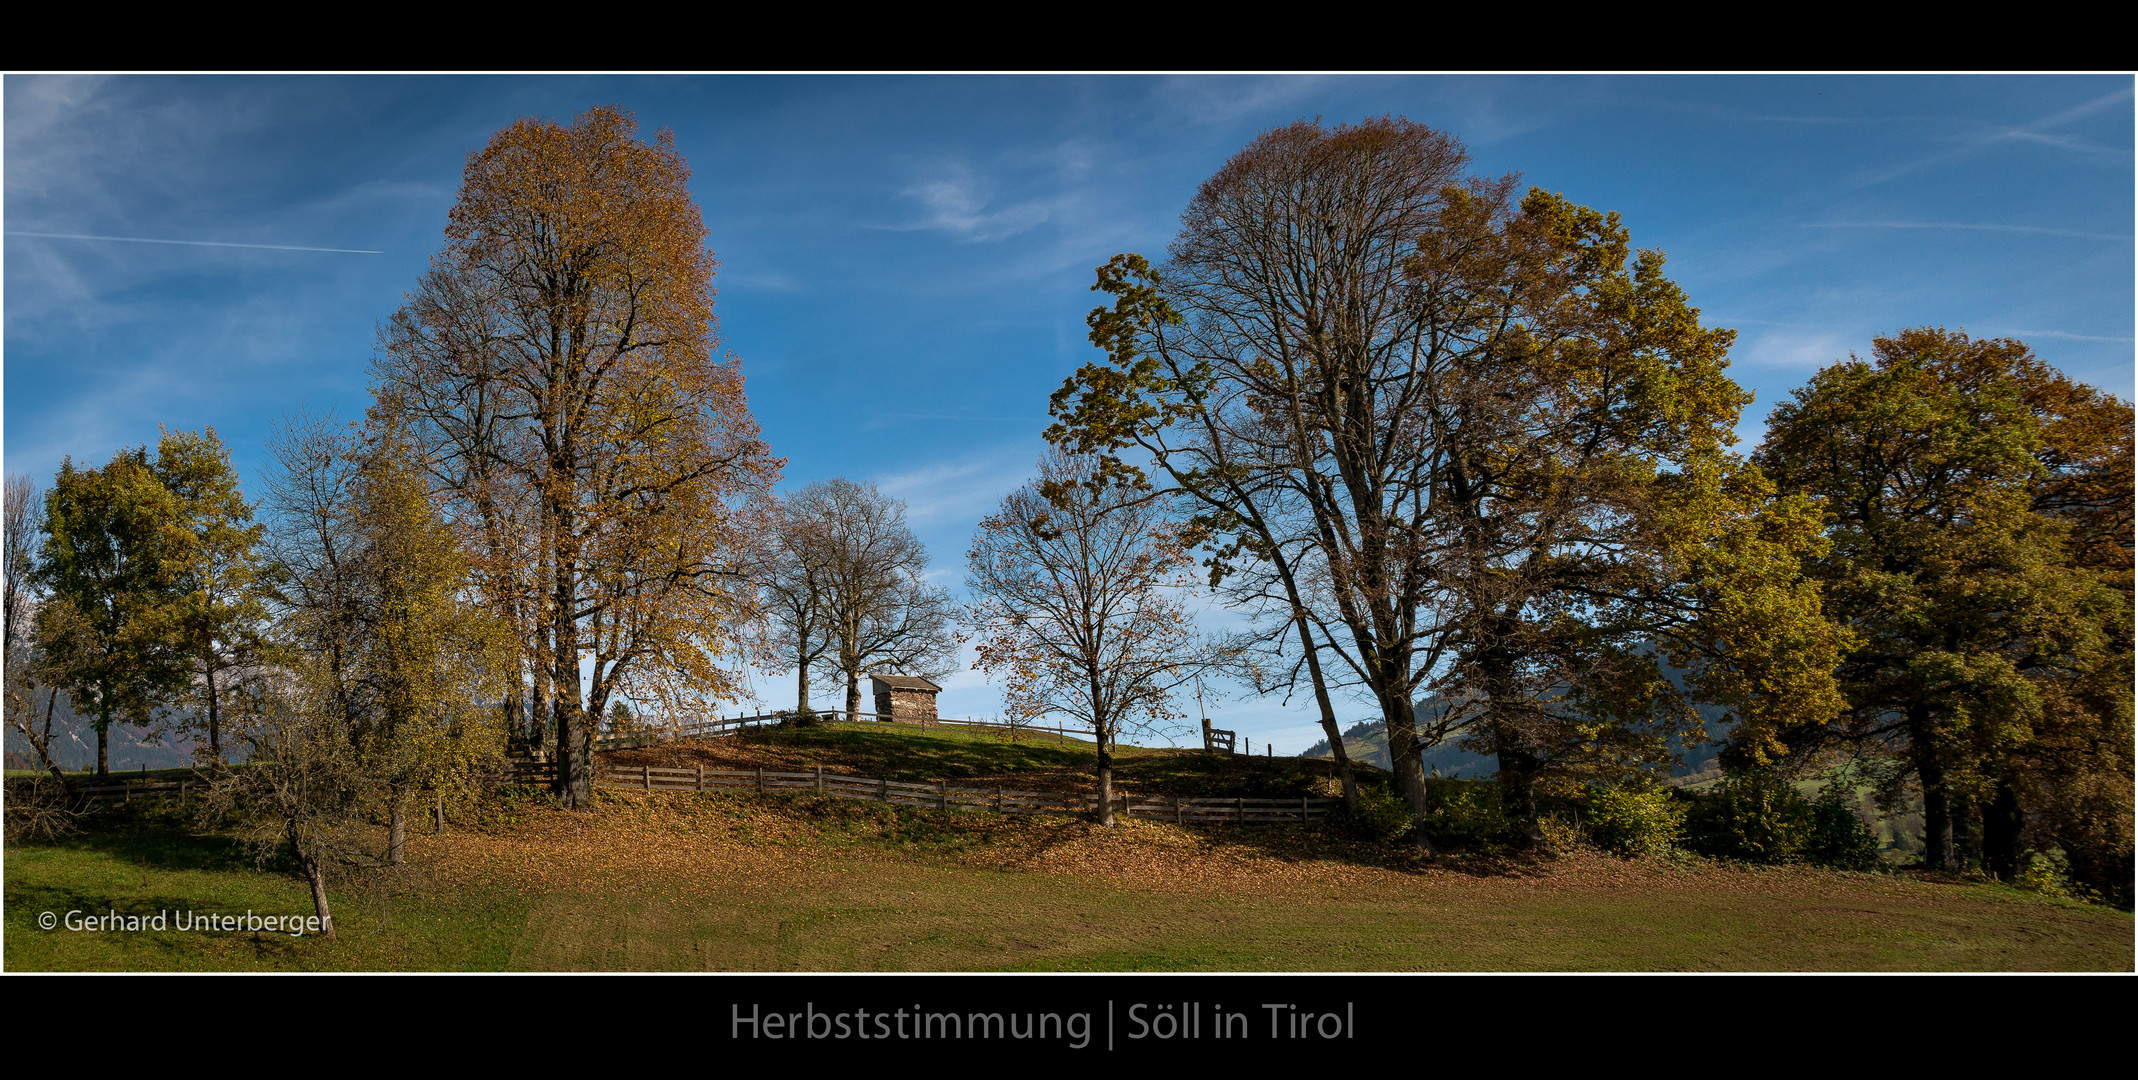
(794, 627)
(1079, 588)
(877, 608)
(557, 373)
(1979, 508)
(1475, 445)
(106, 568)
(380, 604)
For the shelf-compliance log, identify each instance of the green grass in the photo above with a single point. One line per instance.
(146, 861)
(913, 754)
(802, 882)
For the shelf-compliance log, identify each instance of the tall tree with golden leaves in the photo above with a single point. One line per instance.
(558, 372)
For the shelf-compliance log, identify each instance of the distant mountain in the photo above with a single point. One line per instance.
(74, 743)
(1367, 741)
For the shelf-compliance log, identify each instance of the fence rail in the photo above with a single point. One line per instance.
(943, 795)
(721, 727)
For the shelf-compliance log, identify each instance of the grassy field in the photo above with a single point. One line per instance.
(803, 882)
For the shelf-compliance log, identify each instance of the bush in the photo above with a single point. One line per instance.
(2046, 872)
(799, 718)
(1464, 813)
(1382, 816)
(1755, 816)
(1839, 838)
(1633, 821)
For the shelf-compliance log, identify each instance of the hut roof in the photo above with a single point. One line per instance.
(906, 682)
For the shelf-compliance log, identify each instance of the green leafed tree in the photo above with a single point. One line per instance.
(1978, 505)
(107, 567)
(215, 616)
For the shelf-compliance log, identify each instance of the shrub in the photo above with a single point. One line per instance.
(1382, 815)
(1633, 821)
(2046, 872)
(1464, 812)
(1839, 838)
(1755, 816)
(799, 718)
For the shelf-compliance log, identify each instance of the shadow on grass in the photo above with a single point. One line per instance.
(159, 835)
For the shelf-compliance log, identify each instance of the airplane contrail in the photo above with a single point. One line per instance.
(192, 243)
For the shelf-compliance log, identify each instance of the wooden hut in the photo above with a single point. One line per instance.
(905, 699)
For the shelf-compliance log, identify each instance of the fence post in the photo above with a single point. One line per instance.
(1178, 817)
(1302, 809)
(942, 798)
(883, 793)
(701, 778)
(1239, 811)
(645, 773)
(998, 798)
(760, 779)
(820, 779)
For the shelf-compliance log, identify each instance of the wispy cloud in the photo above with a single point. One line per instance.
(2037, 230)
(1223, 99)
(2038, 131)
(2058, 334)
(962, 488)
(958, 203)
(193, 243)
(1792, 350)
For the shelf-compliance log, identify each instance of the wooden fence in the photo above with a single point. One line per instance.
(718, 728)
(942, 795)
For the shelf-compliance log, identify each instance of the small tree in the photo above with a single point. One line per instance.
(876, 607)
(791, 594)
(306, 788)
(24, 520)
(215, 618)
(1077, 581)
(379, 599)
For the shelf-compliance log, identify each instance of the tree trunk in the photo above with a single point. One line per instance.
(438, 815)
(103, 746)
(1966, 838)
(44, 746)
(1328, 718)
(540, 728)
(801, 684)
(1937, 799)
(1518, 789)
(1106, 781)
(2003, 825)
(397, 827)
(215, 727)
(315, 876)
(575, 739)
(1407, 759)
(853, 695)
(515, 729)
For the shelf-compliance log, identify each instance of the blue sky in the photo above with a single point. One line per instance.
(905, 260)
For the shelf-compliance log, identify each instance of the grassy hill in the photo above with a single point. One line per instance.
(1030, 761)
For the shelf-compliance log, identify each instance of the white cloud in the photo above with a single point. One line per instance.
(957, 202)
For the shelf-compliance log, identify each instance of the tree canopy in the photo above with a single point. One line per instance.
(1978, 504)
(558, 372)
(1477, 441)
